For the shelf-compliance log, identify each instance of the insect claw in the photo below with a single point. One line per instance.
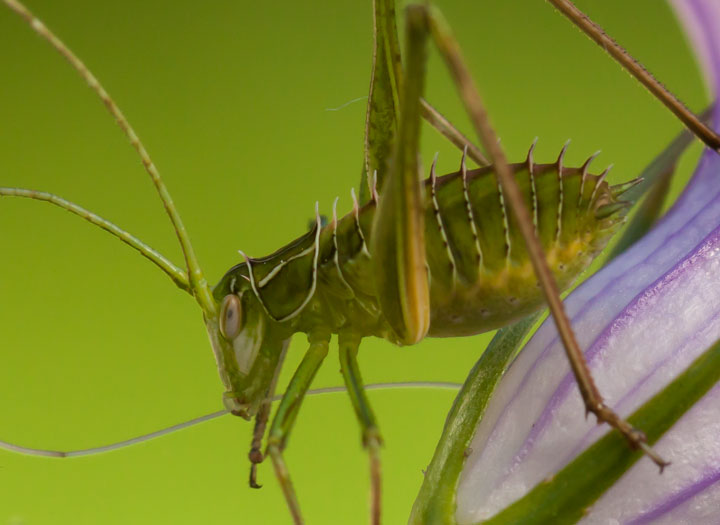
(253, 477)
(654, 456)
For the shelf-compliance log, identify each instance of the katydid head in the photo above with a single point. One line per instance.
(248, 345)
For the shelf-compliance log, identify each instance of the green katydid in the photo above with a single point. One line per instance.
(208, 302)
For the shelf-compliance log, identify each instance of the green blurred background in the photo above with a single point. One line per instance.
(231, 100)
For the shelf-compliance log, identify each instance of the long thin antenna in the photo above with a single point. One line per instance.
(209, 417)
(198, 285)
(178, 276)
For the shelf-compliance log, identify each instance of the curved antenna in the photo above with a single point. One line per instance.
(178, 276)
(198, 285)
(444, 385)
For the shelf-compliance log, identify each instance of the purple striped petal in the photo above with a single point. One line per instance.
(643, 319)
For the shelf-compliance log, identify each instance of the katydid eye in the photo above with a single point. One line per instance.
(230, 317)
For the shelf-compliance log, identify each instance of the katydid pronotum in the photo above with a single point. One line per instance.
(441, 160)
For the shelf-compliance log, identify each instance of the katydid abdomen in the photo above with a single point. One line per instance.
(478, 277)
(480, 274)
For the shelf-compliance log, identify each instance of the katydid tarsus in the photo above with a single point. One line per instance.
(210, 310)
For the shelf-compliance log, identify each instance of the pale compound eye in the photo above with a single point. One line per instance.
(230, 317)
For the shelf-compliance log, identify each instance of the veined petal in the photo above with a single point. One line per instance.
(701, 21)
(642, 320)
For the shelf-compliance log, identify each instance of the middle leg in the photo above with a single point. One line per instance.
(371, 439)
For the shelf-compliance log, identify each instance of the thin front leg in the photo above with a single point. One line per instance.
(287, 413)
(255, 455)
(424, 18)
(371, 439)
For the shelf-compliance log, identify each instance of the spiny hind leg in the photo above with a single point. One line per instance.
(371, 439)
(398, 239)
(636, 69)
(422, 19)
(287, 413)
(383, 109)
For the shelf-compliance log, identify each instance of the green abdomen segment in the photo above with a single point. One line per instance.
(480, 274)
